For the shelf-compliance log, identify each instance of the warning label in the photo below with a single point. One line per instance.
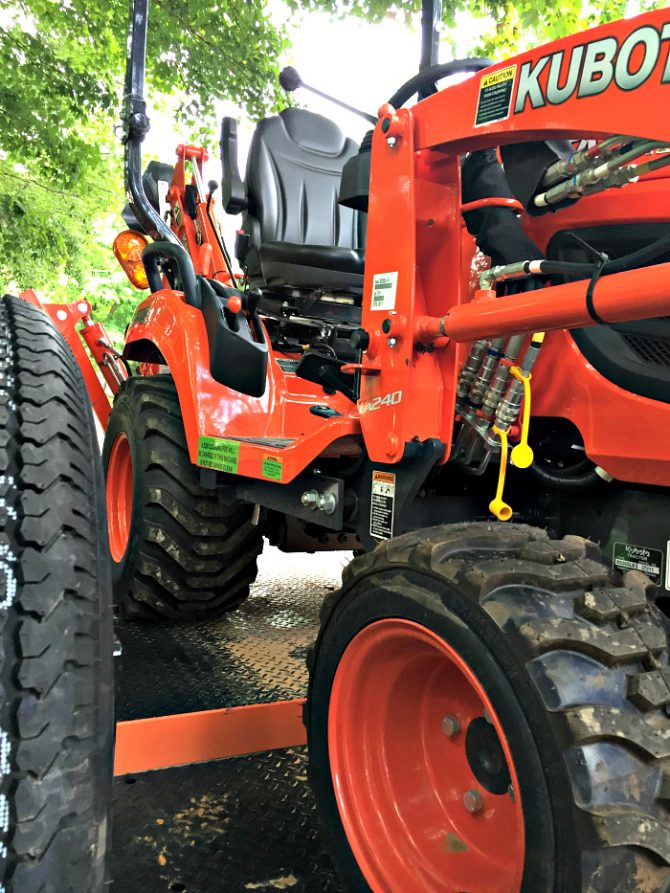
(287, 365)
(495, 96)
(639, 558)
(223, 455)
(272, 468)
(382, 505)
(384, 287)
(667, 568)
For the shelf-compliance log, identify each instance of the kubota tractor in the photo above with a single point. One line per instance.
(448, 351)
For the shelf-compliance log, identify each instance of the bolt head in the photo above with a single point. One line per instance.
(392, 445)
(473, 802)
(392, 342)
(451, 726)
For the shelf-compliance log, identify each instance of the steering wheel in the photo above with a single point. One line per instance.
(425, 82)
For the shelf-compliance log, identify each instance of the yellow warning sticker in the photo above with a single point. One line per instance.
(495, 96)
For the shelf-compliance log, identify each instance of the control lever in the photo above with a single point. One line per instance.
(290, 80)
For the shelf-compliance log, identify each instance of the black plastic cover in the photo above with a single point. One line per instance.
(232, 189)
(155, 173)
(237, 359)
(633, 355)
(498, 231)
(355, 183)
(312, 266)
(526, 165)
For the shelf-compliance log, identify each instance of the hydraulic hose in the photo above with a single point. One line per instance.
(569, 480)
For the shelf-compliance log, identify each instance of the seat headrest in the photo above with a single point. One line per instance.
(313, 132)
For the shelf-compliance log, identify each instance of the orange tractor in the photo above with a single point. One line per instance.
(449, 351)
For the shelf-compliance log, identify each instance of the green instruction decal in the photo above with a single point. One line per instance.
(272, 468)
(223, 455)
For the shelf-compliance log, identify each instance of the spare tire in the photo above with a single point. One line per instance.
(56, 721)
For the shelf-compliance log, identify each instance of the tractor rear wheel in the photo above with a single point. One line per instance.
(178, 551)
(487, 713)
(56, 640)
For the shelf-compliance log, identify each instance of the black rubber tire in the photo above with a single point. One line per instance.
(189, 554)
(574, 659)
(56, 650)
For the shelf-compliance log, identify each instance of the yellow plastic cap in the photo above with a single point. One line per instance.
(522, 455)
(500, 509)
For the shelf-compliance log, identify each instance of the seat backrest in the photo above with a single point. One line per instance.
(293, 180)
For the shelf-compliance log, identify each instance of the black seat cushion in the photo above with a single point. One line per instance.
(293, 181)
(311, 266)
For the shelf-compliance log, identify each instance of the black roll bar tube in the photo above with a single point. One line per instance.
(135, 124)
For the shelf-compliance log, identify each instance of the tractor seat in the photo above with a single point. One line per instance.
(298, 236)
(311, 266)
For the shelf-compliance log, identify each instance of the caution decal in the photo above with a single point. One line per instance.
(495, 96)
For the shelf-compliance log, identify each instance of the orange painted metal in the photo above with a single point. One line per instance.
(119, 494)
(446, 121)
(198, 236)
(163, 741)
(416, 233)
(109, 362)
(562, 306)
(67, 317)
(397, 777)
(212, 410)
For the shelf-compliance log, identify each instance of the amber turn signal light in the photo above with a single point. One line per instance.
(128, 247)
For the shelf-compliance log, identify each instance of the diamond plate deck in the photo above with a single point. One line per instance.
(252, 655)
(234, 826)
(242, 824)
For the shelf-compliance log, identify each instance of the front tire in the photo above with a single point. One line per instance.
(486, 713)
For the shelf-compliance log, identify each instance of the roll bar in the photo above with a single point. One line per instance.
(135, 124)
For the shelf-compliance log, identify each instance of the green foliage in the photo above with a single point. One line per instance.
(62, 64)
(508, 26)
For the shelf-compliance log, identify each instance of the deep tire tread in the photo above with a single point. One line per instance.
(196, 555)
(56, 674)
(578, 607)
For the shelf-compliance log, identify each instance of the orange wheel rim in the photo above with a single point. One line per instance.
(119, 496)
(422, 771)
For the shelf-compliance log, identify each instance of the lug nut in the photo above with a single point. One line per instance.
(451, 726)
(473, 802)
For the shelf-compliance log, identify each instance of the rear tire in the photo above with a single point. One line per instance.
(57, 723)
(178, 551)
(572, 660)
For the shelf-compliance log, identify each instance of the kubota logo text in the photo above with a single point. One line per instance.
(593, 67)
